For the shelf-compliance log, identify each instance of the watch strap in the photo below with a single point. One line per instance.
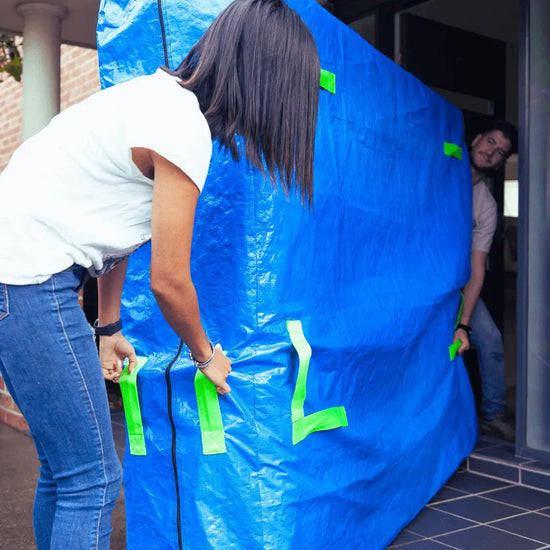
(107, 330)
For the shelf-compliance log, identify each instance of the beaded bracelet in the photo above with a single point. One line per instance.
(204, 364)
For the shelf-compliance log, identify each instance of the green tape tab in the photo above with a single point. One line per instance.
(132, 411)
(210, 416)
(327, 419)
(452, 150)
(328, 81)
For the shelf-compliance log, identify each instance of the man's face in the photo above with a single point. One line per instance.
(489, 151)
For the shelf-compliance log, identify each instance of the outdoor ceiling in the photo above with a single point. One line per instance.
(495, 18)
(78, 28)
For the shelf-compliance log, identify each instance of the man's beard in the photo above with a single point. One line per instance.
(487, 170)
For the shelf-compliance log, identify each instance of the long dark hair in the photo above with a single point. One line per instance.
(255, 72)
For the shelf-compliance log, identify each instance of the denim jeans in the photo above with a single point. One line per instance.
(50, 365)
(490, 357)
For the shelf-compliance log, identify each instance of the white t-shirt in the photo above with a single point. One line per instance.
(72, 195)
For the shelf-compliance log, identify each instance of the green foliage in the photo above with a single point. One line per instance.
(10, 57)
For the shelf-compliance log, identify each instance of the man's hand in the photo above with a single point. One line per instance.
(113, 350)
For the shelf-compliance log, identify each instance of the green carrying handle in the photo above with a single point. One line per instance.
(210, 416)
(460, 307)
(132, 411)
(326, 419)
(453, 348)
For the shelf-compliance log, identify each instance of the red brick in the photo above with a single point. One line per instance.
(15, 420)
(6, 402)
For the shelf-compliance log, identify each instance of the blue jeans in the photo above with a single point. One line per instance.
(49, 362)
(490, 357)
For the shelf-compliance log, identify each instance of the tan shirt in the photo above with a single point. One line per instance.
(484, 209)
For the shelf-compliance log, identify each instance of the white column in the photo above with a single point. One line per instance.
(41, 62)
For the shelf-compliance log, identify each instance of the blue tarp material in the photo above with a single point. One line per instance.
(373, 274)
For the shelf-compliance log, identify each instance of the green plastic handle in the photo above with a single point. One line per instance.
(132, 410)
(327, 419)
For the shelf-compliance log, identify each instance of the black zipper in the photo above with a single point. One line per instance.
(174, 446)
(163, 32)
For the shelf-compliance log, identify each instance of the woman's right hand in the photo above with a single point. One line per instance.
(218, 370)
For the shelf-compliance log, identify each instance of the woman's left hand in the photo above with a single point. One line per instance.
(113, 350)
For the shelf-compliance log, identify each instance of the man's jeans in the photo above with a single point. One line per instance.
(490, 357)
(49, 363)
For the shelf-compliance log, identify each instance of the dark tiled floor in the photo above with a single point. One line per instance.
(496, 501)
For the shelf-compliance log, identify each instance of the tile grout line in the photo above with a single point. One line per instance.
(521, 461)
(516, 534)
(486, 524)
(519, 483)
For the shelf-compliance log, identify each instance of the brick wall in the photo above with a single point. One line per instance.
(79, 74)
(10, 118)
(79, 79)
(9, 413)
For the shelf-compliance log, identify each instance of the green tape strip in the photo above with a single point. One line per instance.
(210, 416)
(317, 422)
(452, 150)
(132, 411)
(459, 316)
(453, 348)
(326, 419)
(328, 81)
(303, 349)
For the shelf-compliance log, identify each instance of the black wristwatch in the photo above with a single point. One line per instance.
(107, 330)
(466, 328)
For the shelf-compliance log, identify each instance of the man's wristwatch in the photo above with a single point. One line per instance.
(466, 328)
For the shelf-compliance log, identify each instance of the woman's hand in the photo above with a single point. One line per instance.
(218, 370)
(113, 350)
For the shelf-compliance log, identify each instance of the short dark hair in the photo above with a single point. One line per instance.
(508, 131)
(255, 72)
